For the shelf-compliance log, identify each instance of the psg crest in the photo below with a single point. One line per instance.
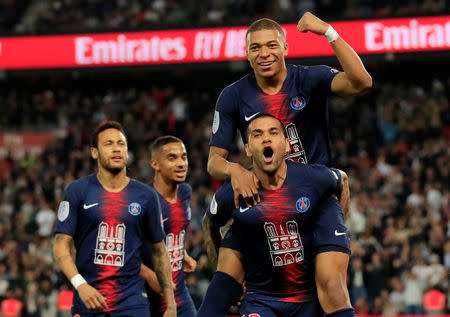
(297, 103)
(134, 209)
(302, 204)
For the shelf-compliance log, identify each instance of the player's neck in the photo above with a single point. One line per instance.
(274, 180)
(167, 188)
(272, 85)
(113, 182)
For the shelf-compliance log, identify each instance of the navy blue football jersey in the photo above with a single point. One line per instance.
(176, 218)
(301, 105)
(276, 236)
(109, 230)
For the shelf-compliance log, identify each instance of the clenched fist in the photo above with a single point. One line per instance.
(310, 23)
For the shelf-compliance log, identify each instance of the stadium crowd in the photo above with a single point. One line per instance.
(45, 16)
(393, 142)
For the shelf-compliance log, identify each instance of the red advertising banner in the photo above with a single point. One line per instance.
(215, 44)
(21, 143)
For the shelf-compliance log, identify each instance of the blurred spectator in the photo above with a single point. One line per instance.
(32, 305)
(48, 298)
(413, 293)
(397, 297)
(438, 274)
(356, 285)
(45, 218)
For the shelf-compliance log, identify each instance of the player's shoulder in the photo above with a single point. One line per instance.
(305, 169)
(139, 186)
(225, 193)
(317, 171)
(240, 84)
(184, 191)
(80, 185)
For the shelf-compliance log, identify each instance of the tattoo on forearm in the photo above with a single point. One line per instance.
(162, 267)
(212, 238)
(163, 282)
(62, 258)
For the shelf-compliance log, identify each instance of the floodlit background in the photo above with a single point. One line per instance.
(393, 141)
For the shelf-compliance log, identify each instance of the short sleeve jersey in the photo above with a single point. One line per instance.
(176, 218)
(301, 105)
(276, 236)
(108, 230)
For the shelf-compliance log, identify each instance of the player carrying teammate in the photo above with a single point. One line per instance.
(276, 237)
(296, 95)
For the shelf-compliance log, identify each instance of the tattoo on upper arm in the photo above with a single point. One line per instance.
(59, 237)
(63, 238)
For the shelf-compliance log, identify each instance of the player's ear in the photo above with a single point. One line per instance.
(247, 151)
(288, 146)
(154, 164)
(286, 49)
(94, 153)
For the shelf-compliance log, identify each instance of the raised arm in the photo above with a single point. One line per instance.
(164, 274)
(355, 79)
(91, 298)
(244, 182)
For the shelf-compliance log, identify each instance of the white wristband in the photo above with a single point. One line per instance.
(77, 280)
(331, 35)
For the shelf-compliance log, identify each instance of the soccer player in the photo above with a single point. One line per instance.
(108, 217)
(170, 163)
(276, 237)
(297, 95)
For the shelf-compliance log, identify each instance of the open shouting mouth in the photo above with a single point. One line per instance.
(268, 154)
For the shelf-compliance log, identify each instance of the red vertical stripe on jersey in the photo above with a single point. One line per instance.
(277, 210)
(113, 206)
(175, 247)
(277, 105)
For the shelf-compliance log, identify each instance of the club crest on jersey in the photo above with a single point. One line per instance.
(297, 103)
(134, 209)
(302, 204)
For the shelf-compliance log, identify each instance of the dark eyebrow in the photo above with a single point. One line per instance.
(268, 42)
(256, 130)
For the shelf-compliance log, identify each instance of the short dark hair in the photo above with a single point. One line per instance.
(263, 115)
(264, 24)
(105, 125)
(161, 141)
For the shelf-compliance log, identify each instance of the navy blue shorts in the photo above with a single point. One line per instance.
(329, 233)
(257, 307)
